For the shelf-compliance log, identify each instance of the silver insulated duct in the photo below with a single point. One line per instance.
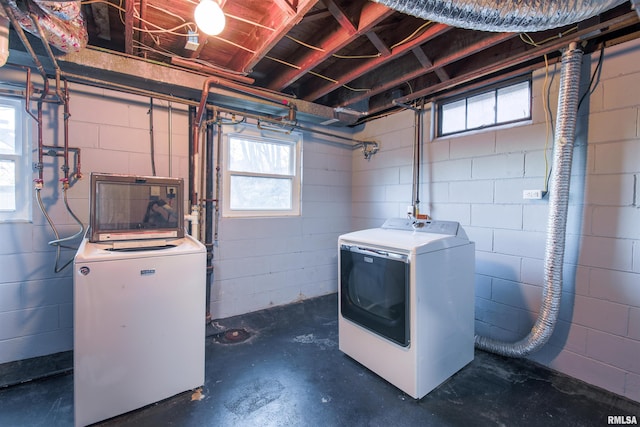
(519, 16)
(503, 16)
(558, 206)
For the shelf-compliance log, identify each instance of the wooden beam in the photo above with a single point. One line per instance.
(341, 16)
(315, 16)
(522, 58)
(140, 36)
(289, 8)
(268, 39)
(367, 66)
(426, 63)
(409, 75)
(128, 26)
(378, 43)
(370, 15)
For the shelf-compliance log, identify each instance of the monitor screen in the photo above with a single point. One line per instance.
(127, 207)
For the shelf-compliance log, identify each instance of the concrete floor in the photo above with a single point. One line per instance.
(289, 372)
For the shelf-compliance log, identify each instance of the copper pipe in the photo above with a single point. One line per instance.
(45, 91)
(278, 100)
(196, 66)
(52, 58)
(67, 115)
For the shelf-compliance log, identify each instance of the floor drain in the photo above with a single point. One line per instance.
(232, 336)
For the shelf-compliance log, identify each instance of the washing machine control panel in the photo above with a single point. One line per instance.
(450, 228)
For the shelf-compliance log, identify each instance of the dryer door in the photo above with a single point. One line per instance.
(374, 291)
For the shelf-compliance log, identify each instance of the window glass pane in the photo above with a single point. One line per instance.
(258, 193)
(7, 185)
(513, 102)
(8, 130)
(453, 117)
(481, 110)
(246, 155)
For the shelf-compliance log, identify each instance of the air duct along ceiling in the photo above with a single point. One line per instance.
(501, 16)
(60, 23)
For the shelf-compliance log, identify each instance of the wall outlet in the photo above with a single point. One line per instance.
(533, 194)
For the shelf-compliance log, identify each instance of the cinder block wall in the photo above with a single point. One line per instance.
(258, 262)
(112, 132)
(478, 179)
(264, 262)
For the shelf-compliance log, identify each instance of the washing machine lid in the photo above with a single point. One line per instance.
(410, 235)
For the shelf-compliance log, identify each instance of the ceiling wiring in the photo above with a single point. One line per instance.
(525, 37)
(300, 42)
(366, 56)
(159, 30)
(316, 74)
(169, 54)
(373, 55)
(335, 55)
(337, 82)
(410, 36)
(319, 49)
(288, 64)
(233, 44)
(246, 21)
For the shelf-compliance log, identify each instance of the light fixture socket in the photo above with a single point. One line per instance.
(192, 41)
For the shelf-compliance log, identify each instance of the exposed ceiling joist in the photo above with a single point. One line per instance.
(370, 15)
(337, 55)
(432, 31)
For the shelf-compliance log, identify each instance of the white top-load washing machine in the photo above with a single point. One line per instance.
(406, 301)
(139, 299)
(139, 326)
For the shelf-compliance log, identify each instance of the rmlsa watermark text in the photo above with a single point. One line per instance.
(622, 419)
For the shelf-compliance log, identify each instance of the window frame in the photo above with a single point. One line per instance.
(495, 88)
(253, 133)
(22, 161)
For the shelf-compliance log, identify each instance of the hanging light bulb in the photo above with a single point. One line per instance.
(209, 17)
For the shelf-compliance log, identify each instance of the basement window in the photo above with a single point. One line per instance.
(509, 102)
(15, 194)
(261, 173)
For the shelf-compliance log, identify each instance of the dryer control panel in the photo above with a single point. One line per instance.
(450, 228)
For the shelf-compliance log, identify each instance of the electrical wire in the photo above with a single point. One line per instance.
(159, 30)
(317, 74)
(300, 42)
(597, 72)
(410, 36)
(525, 37)
(547, 121)
(593, 83)
(335, 55)
(164, 52)
(373, 55)
(322, 76)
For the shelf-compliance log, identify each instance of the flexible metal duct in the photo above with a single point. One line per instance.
(60, 23)
(503, 16)
(558, 206)
(519, 16)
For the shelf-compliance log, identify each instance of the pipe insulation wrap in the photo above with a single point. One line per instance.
(501, 16)
(558, 206)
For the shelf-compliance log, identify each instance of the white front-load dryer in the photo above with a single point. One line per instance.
(406, 301)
